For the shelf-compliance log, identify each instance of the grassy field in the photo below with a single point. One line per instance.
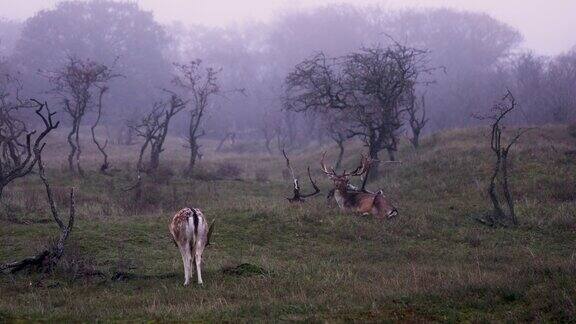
(309, 262)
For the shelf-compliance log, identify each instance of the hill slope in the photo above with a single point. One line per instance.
(434, 262)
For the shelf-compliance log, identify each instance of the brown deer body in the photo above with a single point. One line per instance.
(191, 235)
(363, 202)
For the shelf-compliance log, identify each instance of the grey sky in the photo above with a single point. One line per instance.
(548, 25)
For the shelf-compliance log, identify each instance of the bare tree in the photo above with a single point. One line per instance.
(416, 110)
(148, 128)
(76, 84)
(379, 80)
(338, 131)
(230, 136)
(154, 129)
(17, 158)
(101, 147)
(127, 133)
(274, 128)
(298, 196)
(316, 84)
(48, 258)
(500, 174)
(45, 260)
(175, 105)
(268, 127)
(201, 85)
(15, 150)
(561, 82)
(285, 131)
(368, 88)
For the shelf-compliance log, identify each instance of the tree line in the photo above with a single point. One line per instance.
(475, 56)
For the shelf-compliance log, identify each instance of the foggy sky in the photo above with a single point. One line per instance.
(547, 25)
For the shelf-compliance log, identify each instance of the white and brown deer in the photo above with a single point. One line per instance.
(350, 199)
(191, 234)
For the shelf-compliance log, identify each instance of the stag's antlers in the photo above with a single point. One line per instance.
(365, 164)
(332, 172)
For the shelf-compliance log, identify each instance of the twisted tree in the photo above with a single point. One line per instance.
(76, 85)
(47, 259)
(368, 89)
(201, 84)
(153, 128)
(101, 147)
(17, 144)
(500, 176)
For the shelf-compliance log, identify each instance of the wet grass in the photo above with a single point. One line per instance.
(272, 261)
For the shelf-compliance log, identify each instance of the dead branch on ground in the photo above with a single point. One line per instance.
(48, 258)
(298, 196)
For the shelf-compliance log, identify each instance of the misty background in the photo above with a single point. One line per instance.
(480, 49)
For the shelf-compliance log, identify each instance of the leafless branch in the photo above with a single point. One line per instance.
(500, 174)
(201, 85)
(153, 128)
(367, 89)
(101, 147)
(47, 259)
(17, 159)
(298, 196)
(76, 84)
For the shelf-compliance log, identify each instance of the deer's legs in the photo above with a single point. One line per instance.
(198, 261)
(186, 259)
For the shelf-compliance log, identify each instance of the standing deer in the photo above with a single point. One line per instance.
(191, 235)
(361, 201)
